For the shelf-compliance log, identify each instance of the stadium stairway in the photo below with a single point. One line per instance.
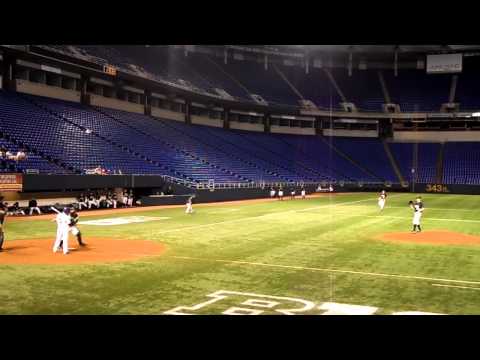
(284, 78)
(439, 174)
(335, 85)
(393, 162)
(386, 94)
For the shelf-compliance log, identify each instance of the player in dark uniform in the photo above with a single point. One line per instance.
(74, 217)
(3, 215)
(73, 227)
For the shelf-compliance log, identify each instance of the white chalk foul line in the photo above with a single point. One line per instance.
(264, 216)
(407, 277)
(456, 287)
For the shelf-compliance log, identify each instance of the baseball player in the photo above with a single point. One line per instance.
(272, 193)
(382, 200)
(418, 209)
(130, 199)
(3, 215)
(280, 194)
(33, 205)
(292, 194)
(74, 217)
(81, 202)
(189, 209)
(303, 193)
(63, 221)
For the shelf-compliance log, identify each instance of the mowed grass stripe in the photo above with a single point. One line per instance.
(294, 267)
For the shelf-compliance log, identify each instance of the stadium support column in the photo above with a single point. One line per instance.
(148, 103)
(318, 126)
(84, 98)
(226, 119)
(8, 74)
(266, 123)
(188, 119)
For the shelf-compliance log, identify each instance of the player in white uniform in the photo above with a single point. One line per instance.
(272, 193)
(292, 194)
(382, 200)
(280, 194)
(189, 209)
(303, 193)
(417, 215)
(63, 221)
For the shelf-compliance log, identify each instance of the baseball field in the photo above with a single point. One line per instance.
(330, 254)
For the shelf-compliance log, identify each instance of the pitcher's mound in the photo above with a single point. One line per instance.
(97, 250)
(442, 237)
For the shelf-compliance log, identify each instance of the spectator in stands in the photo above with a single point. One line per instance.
(33, 205)
(21, 155)
(9, 155)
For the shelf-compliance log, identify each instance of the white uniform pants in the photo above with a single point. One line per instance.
(62, 235)
(416, 218)
(381, 204)
(36, 208)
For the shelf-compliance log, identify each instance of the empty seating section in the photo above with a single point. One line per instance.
(201, 162)
(225, 152)
(64, 137)
(414, 90)
(461, 163)
(274, 147)
(156, 144)
(32, 161)
(368, 153)
(427, 162)
(61, 140)
(320, 151)
(314, 86)
(363, 88)
(228, 149)
(276, 163)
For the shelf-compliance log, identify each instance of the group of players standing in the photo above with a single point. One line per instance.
(106, 199)
(273, 193)
(416, 206)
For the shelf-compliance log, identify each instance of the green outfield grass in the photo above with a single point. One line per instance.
(319, 250)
